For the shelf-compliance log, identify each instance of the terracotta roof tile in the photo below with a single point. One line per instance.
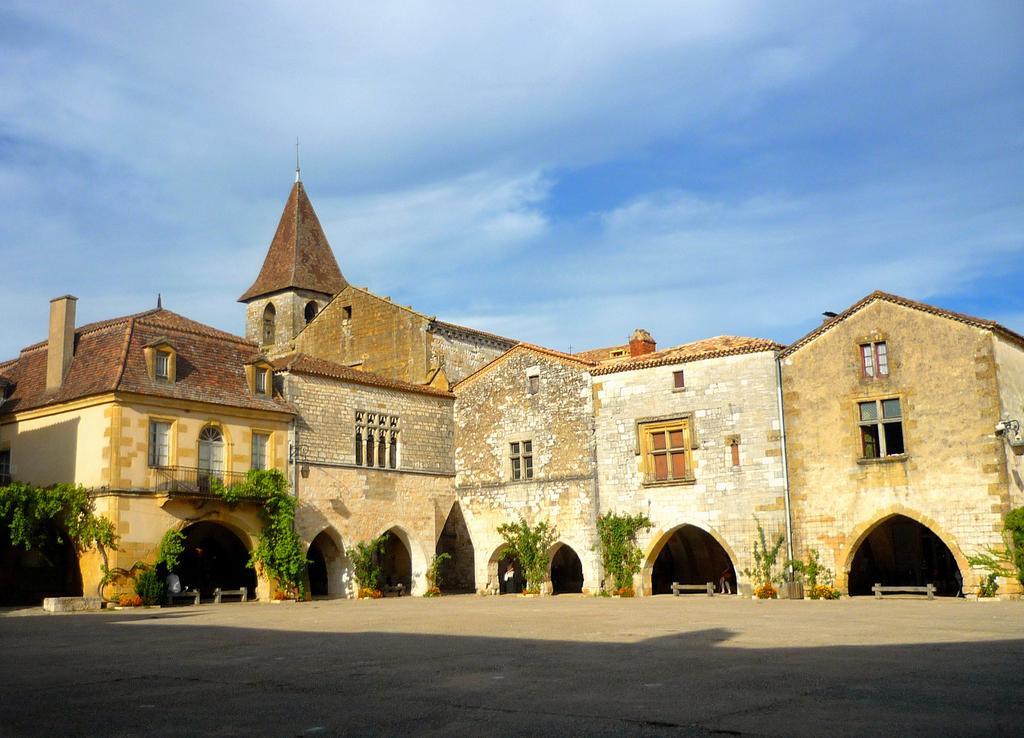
(603, 354)
(109, 357)
(300, 363)
(299, 255)
(706, 348)
(912, 304)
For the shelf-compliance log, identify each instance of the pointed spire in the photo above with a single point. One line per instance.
(159, 302)
(300, 256)
(298, 178)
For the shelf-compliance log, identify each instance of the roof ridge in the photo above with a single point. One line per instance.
(222, 335)
(588, 365)
(291, 362)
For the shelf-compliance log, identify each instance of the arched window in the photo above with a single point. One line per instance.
(311, 309)
(382, 449)
(369, 447)
(211, 457)
(359, 447)
(393, 457)
(269, 318)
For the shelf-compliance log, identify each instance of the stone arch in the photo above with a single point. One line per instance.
(328, 568)
(216, 555)
(863, 532)
(496, 566)
(565, 570)
(459, 573)
(417, 559)
(723, 560)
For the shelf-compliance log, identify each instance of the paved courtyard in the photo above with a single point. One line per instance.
(509, 665)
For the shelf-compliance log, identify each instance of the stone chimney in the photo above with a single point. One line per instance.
(641, 343)
(61, 345)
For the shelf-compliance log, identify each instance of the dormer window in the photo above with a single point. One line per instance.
(160, 360)
(259, 375)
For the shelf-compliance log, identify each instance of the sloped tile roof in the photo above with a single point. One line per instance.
(706, 348)
(299, 255)
(602, 354)
(878, 295)
(299, 363)
(109, 357)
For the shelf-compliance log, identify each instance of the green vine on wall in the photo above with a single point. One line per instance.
(279, 551)
(621, 558)
(531, 546)
(27, 511)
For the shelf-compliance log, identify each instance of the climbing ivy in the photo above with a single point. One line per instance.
(1013, 524)
(531, 546)
(26, 510)
(620, 556)
(279, 551)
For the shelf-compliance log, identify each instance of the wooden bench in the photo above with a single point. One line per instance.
(708, 588)
(218, 593)
(879, 590)
(185, 594)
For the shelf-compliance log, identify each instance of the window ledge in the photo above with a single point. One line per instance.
(894, 459)
(679, 389)
(669, 482)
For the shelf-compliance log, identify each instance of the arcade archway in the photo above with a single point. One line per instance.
(48, 569)
(458, 574)
(899, 551)
(326, 569)
(396, 563)
(690, 555)
(566, 571)
(215, 557)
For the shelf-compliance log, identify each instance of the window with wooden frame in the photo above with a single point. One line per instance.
(678, 380)
(162, 365)
(881, 428)
(521, 457)
(5, 466)
(533, 383)
(262, 381)
(874, 360)
(260, 444)
(665, 447)
(159, 443)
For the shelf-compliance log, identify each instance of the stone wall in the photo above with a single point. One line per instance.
(495, 409)
(460, 353)
(371, 333)
(327, 419)
(1010, 372)
(953, 477)
(726, 399)
(289, 318)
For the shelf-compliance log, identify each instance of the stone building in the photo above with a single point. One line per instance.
(690, 437)
(897, 473)
(147, 411)
(391, 422)
(524, 448)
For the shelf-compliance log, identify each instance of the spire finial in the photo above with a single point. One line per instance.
(297, 177)
(159, 302)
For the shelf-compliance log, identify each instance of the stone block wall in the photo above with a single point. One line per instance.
(289, 318)
(327, 416)
(953, 476)
(460, 353)
(726, 399)
(496, 408)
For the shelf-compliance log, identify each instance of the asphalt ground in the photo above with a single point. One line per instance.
(566, 665)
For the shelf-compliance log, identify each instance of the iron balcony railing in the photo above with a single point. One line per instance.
(193, 481)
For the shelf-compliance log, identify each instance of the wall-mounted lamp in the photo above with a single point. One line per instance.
(1009, 429)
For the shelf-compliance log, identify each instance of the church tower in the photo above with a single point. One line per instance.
(299, 276)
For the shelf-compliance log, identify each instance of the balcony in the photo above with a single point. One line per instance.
(193, 482)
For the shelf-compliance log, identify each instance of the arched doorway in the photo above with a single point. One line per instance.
(215, 557)
(325, 568)
(458, 574)
(396, 563)
(691, 555)
(48, 569)
(566, 571)
(517, 583)
(211, 457)
(899, 551)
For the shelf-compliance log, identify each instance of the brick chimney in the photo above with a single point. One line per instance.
(641, 343)
(61, 345)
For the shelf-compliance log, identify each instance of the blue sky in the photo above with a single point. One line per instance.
(556, 172)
